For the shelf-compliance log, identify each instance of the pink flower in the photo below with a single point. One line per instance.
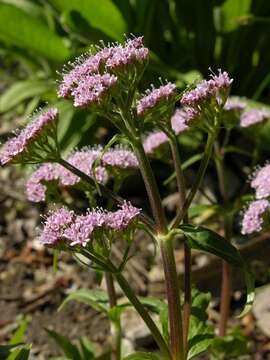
(154, 141)
(92, 89)
(207, 89)
(19, 148)
(35, 187)
(261, 182)
(115, 57)
(234, 105)
(120, 158)
(155, 96)
(83, 160)
(254, 116)
(121, 218)
(181, 119)
(54, 226)
(253, 216)
(80, 231)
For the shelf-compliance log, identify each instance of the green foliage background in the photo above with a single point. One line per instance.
(185, 37)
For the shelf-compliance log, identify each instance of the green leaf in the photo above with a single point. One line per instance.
(95, 298)
(231, 346)
(67, 347)
(87, 348)
(250, 284)
(22, 354)
(5, 350)
(27, 6)
(232, 11)
(201, 334)
(207, 240)
(24, 31)
(103, 15)
(17, 337)
(21, 91)
(142, 356)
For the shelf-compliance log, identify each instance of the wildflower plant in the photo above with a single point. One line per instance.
(106, 81)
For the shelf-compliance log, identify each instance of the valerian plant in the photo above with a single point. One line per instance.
(106, 82)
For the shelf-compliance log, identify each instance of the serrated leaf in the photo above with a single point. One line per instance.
(24, 31)
(142, 356)
(21, 91)
(204, 239)
(66, 346)
(103, 15)
(95, 298)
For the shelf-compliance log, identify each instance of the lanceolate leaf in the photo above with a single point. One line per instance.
(21, 91)
(207, 240)
(24, 31)
(97, 299)
(67, 347)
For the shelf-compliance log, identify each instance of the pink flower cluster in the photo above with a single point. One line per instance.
(253, 216)
(253, 117)
(261, 182)
(180, 122)
(207, 89)
(64, 225)
(82, 160)
(234, 105)
(154, 141)
(154, 96)
(92, 89)
(120, 157)
(20, 144)
(88, 81)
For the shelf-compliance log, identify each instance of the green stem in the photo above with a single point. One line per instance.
(106, 192)
(187, 251)
(201, 172)
(144, 315)
(226, 286)
(151, 186)
(116, 324)
(173, 296)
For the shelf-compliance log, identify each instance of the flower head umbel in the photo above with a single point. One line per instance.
(116, 59)
(157, 101)
(154, 141)
(234, 105)
(120, 219)
(261, 182)
(81, 230)
(35, 186)
(132, 53)
(216, 89)
(121, 158)
(36, 142)
(253, 216)
(254, 117)
(83, 160)
(93, 90)
(54, 226)
(63, 225)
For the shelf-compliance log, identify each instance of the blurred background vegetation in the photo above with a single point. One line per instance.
(185, 37)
